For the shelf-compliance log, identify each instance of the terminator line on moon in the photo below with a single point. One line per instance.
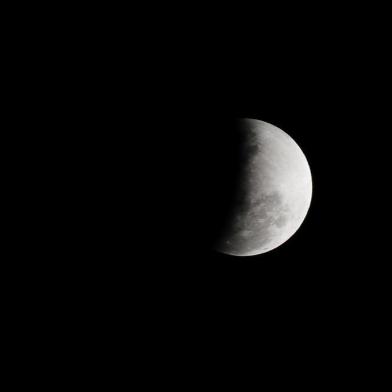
(274, 192)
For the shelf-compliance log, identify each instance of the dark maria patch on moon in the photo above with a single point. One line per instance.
(254, 222)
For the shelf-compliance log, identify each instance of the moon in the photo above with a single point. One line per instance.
(273, 194)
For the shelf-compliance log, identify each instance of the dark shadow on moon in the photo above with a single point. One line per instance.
(250, 225)
(247, 218)
(222, 163)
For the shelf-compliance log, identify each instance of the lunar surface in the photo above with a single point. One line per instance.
(274, 191)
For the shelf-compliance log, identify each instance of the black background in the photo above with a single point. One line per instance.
(140, 163)
(148, 114)
(173, 167)
(166, 164)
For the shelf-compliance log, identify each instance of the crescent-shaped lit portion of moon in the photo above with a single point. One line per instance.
(274, 192)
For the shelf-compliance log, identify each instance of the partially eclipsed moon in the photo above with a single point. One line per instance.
(274, 192)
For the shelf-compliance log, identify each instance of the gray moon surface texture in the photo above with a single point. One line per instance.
(274, 192)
